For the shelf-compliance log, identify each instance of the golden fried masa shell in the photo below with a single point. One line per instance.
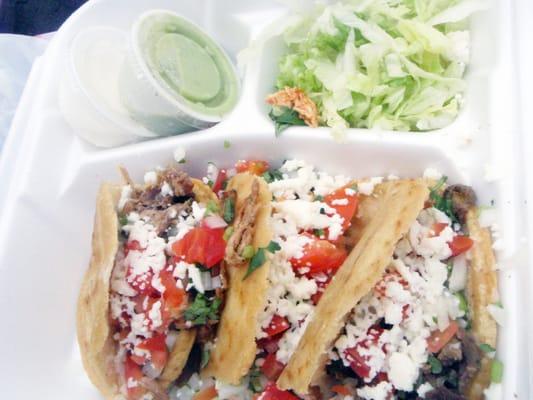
(177, 357)
(481, 290)
(97, 346)
(202, 192)
(396, 210)
(235, 347)
(94, 332)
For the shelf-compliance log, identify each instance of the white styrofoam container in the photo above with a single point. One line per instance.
(49, 180)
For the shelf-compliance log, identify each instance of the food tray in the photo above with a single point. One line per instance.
(50, 178)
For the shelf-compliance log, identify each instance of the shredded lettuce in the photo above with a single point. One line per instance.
(389, 64)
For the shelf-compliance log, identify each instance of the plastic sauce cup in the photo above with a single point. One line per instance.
(176, 78)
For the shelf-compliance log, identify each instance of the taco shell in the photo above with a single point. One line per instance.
(481, 290)
(235, 346)
(94, 332)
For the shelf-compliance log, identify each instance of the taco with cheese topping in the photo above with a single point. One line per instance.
(155, 286)
(417, 326)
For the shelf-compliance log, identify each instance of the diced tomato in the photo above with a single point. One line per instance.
(359, 362)
(393, 276)
(158, 350)
(272, 368)
(173, 295)
(341, 389)
(460, 244)
(201, 245)
(380, 377)
(319, 256)
(271, 392)
(256, 167)
(133, 373)
(269, 344)
(219, 182)
(438, 339)
(208, 393)
(321, 284)
(277, 325)
(144, 303)
(346, 211)
(438, 227)
(133, 245)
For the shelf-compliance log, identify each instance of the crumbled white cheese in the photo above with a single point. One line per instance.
(309, 215)
(432, 173)
(166, 190)
(367, 187)
(155, 315)
(301, 181)
(423, 389)
(157, 284)
(132, 383)
(212, 172)
(179, 154)
(403, 372)
(339, 202)
(125, 195)
(196, 278)
(381, 391)
(152, 254)
(150, 178)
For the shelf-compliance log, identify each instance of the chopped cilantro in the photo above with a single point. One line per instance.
(272, 175)
(248, 252)
(256, 261)
(254, 380)
(228, 210)
(435, 364)
(319, 232)
(123, 219)
(211, 207)
(205, 358)
(284, 118)
(439, 201)
(273, 247)
(202, 310)
(227, 144)
(259, 257)
(228, 232)
(496, 371)
(498, 304)
(182, 161)
(486, 348)
(319, 198)
(463, 305)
